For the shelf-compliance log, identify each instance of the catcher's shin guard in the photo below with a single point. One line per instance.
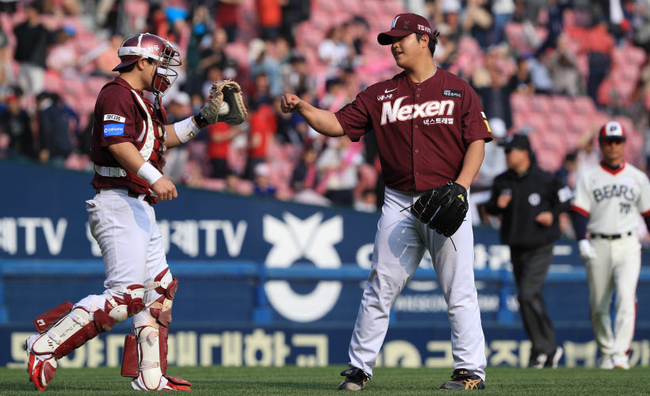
(145, 352)
(60, 331)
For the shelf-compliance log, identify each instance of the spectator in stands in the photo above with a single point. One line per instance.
(6, 69)
(16, 123)
(293, 12)
(263, 63)
(297, 77)
(368, 201)
(212, 74)
(227, 16)
(269, 18)
(262, 129)
(262, 186)
(540, 76)
(213, 52)
(360, 28)
(32, 42)
(261, 90)
(107, 59)
(478, 21)
(567, 173)
(447, 49)
(220, 136)
(305, 174)
(529, 201)
(502, 11)
(521, 82)
(336, 95)
(199, 29)
(63, 56)
(563, 67)
(494, 161)
(334, 51)
(491, 86)
(554, 25)
(54, 133)
(178, 109)
(588, 154)
(337, 165)
(598, 45)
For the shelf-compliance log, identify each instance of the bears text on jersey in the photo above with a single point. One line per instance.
(613, 190)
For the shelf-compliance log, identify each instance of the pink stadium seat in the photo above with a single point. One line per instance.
(53, 81)
(541, 104)
(520, 103)
(560, 104)
(584, 105)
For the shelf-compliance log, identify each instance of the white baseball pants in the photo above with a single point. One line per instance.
(400, 244)
(616, 268)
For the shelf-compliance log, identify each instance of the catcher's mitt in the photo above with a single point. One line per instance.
(228, 92)
(443, 208)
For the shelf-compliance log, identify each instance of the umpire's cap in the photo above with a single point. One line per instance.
(405, 24)
(613, 130)
(518, 141)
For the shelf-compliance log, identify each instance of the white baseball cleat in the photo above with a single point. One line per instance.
(606, 363)
(621, 363)
(41, 368)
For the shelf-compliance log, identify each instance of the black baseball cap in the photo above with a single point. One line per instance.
(517, 141)
(403, 25)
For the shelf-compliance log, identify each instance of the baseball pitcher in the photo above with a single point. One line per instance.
(431, 136)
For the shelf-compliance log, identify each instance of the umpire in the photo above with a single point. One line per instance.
(530, 201)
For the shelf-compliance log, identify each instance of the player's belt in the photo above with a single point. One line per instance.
(130, 193)
(611, 237)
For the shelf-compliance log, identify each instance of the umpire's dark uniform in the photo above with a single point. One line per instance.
(531, 244)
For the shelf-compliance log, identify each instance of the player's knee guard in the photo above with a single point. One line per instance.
(165, 285)
(64, 329)
(130, 303)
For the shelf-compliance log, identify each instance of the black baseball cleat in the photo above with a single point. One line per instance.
(355, 379)
(463, 379)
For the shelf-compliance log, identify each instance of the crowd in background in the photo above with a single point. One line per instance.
(270, 48)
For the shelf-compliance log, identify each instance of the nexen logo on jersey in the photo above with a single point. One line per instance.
(113, 130)
(392, 112)
(613, 191)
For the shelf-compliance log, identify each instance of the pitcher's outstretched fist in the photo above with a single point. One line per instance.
(290, 103)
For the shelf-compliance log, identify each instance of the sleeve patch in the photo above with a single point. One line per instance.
(114, 118)
(113, 130)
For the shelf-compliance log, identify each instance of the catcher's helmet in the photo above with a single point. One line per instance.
(147, 45)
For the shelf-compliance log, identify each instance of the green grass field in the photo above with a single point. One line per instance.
(292, 380)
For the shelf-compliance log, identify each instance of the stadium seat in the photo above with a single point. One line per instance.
(53, 81)
(584, 105)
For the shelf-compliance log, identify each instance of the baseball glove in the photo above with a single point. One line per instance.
(228, 92)
(443, 208)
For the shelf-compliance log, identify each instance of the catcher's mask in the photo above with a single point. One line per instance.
(161, 51)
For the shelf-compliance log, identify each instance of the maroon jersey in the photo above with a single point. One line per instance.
(422, 130)
(123, 114)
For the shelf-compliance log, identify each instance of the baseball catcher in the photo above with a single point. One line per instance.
(442, 208)
(225, 104)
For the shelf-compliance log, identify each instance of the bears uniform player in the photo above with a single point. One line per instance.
(430, 129)
(128, 142)
(608, 201)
